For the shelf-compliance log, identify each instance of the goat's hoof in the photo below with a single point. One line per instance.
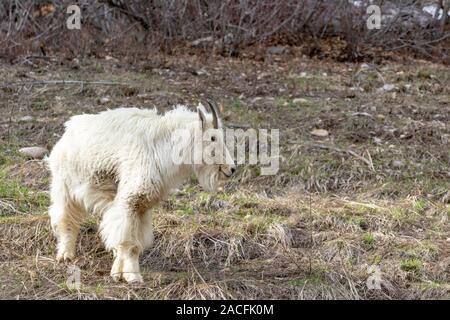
(116, 277)
(64, 256)
(133, 278)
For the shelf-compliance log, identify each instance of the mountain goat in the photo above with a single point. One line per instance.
(119, 164)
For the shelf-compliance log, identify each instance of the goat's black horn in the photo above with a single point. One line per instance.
(216, 114)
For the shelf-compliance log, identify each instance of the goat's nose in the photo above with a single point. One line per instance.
(233, 169)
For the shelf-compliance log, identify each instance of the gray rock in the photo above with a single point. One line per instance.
(320, 133)
(26, 119)
(104, 100)
(256, 99)
(300, 101)
(388, 87)
(219, 204)
(34, 152)
(398, 164)
(202, 41)
(276, 50)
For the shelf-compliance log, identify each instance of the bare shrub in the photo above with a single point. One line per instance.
(38, 26)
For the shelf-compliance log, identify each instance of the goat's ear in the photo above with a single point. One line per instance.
(202, 114)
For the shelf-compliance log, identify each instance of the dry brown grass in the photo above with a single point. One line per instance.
(373, 193)
(319, 252)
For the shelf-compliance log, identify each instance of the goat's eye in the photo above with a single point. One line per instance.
(213, 138)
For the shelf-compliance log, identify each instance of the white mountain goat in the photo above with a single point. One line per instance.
(119, 164)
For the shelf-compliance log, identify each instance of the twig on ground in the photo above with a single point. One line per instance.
(63, 82)
(367, 161)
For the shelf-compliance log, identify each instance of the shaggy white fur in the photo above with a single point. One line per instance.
(118, 164)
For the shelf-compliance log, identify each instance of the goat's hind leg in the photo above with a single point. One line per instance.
(65, 219)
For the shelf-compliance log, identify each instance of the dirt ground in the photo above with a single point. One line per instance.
(361, 212)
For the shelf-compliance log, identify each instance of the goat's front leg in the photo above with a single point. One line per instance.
(120, 231)
(126, 264)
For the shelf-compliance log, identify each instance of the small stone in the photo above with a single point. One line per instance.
(263, 75)
(26, 119)
(276, 50)
(256, 99)
(300, 101)
(143, 95)
(201, 72)
(202, 41)
(104, 100)
(320, 133)
(397, 163)
(34, 152)
(388, 87)
(219, 204)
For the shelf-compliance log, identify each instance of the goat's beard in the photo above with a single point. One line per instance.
(208, 177)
